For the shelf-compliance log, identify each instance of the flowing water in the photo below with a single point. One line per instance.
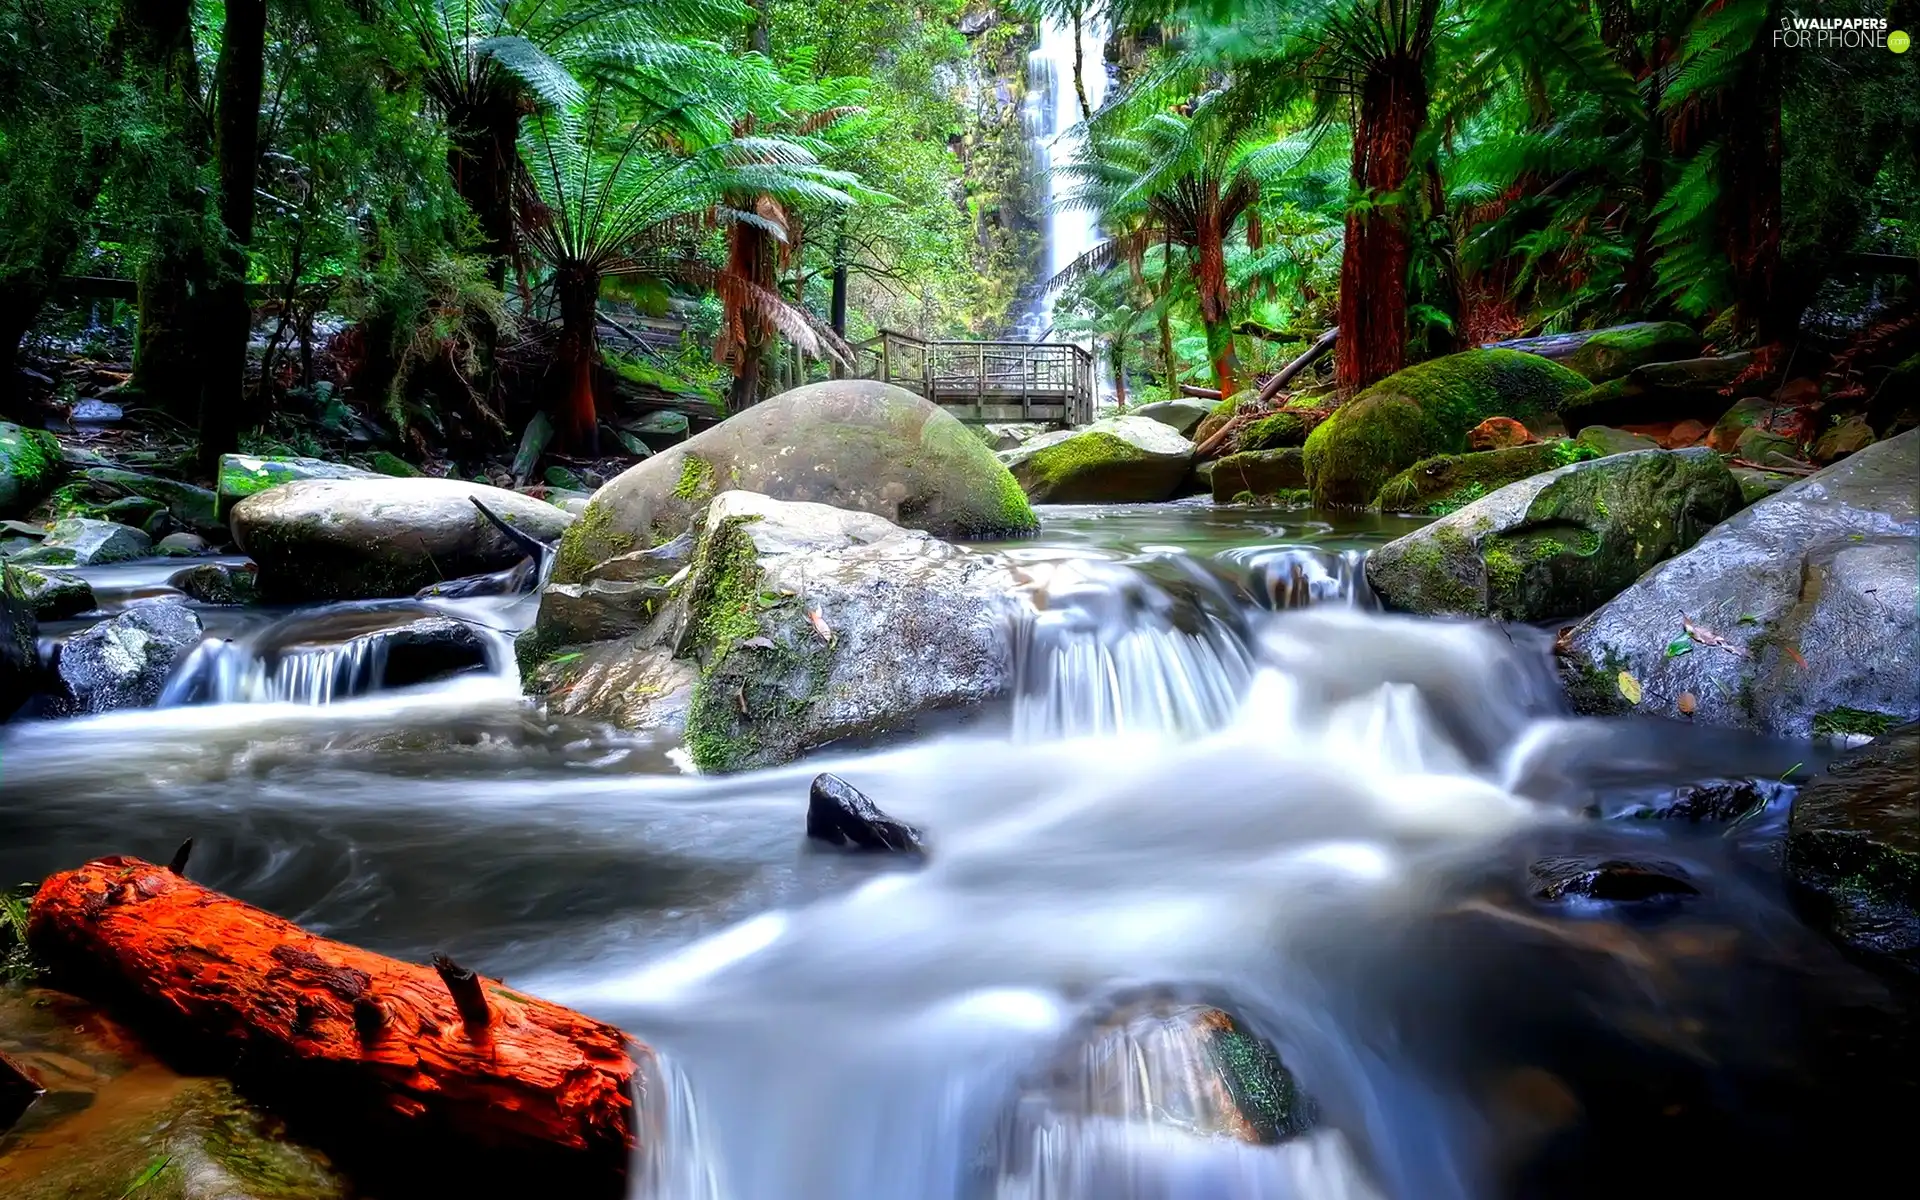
(1225, 780)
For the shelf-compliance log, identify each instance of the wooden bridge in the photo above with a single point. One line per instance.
(986, 381)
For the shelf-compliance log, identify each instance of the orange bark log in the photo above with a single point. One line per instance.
(494, 1069)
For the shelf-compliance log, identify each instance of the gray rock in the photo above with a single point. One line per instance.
(372, 537)
(1813, 592)
(1184, 416)
(1756, 484)
(1716, 800)
(1116, 461)
(95, 412)
(81, 542)
(840, 814)
(1604, 439)
(1853, 846)
(1008, 436)
(180, 545)
(124, 661)
(1556, 545)
(52, 595)
(634, 683)
(30, 464)
(218, 583)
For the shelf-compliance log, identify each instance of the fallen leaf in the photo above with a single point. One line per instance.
(820, 625)
(756, 643)
(1707, 637)
(1629, 687)
(1749, 619)
(1687, 703)
(1798, 661)
(1679, 646)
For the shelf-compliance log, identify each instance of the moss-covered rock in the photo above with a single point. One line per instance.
(221, 584)
(1610, 353)
(1217, 418)
(1440, 485)
(1769, 449)
(244, 475)
(1277, 431)
(1258, 473)
(52, 595)
(191, 507)
(1685, 389)
(1559, 544)
(1853, 846)
(1787, 422)
(81, 542)
(30, 465)
(1116, 461)
(1756, 484)
(1849, 435)
(1604, 440)
(385, 462)
(1427, 410)
(19, 643)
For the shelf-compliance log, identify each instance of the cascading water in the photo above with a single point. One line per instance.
(1052, 119)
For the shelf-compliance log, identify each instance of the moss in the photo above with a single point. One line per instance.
(696, 479)
(1273, 432)
(1593, 689)
(17, 963)
(1445, 483)
(30, 464)
(1062, 461)
(588, 542)
(1840, 721)
(386, 463)
(1611, 353)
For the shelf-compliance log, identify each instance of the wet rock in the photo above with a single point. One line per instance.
(19, 644)
(1687, 389)
(1769, 449)
(193, 508)
(428, 650)
(1426, 410)
(83, 542)
(1716, 800)
(218, 583)
(1810, 596)
(30, 465)
(840, 814)
(124, 661)
(1853, 847)
(95, 412)
(1442, 484)
(852, 443)
(1756, 484)
(1604, 440)
(1182, 416)
(1256, 474)
(1556, 545)
(1788, 425)
(634, 683)
(661, 429)
(181, 545)
(1611, 353)
(52, 595)
(1849, 436)
(244, 475)
(1613, 879)
(1116, 461)
(373, 537)
(1498, 433)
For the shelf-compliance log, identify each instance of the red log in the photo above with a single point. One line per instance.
(442, 1053)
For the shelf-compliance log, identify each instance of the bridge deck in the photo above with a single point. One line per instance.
(987, 381)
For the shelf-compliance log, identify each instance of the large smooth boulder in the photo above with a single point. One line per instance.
(1256, 474)
(1806, 603)
(244, 475)
(1657, 393)
(851, 443)
(374, 537)
(1427, 410)
(1182, 416)
(1853, 846)
(124, 661)
(1447, 482)
(82, 542)
(1116, 461)
(30, 464)
(19, 643)
(1556, 545)
(1610, 353)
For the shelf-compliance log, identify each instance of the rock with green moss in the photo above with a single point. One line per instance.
(244, 475)
(30, 466)
(1610, 353)
(52, 595)
(1008, 435)
(1657, 393)
(372, 537)
(1557, 545)
(112, 492)
(1217, 418)
(1275, 431)
(385, 462)
(1756, 483)
(1437, 486)
(1810, 596)
(19, 642)
(1850, 435)
(1604, 439)
(852, 443)
(1119, 460)
(220, 584)
(1182, 416)
(1259, 473)
(81, 542)
(1427, 410)
(1853, 847)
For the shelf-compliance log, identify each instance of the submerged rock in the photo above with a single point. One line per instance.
(840, 814)
(1426, 410)
(1447, 482)
(1853, 846)
(30, 464)
(1556, 545)
(1806, 605)
(1257, 474)
(375, 537)
(1182, 416)
(1716, 800)
(52, 595)
(124, 661)
(82, 542)
(1116, 461)
(1620, 880)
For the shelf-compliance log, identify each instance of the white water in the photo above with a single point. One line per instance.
(1053, 122)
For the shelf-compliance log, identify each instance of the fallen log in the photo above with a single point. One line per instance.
(433, 1055)
(1194, 391)
(1320, 346)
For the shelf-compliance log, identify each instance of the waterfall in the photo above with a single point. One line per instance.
(1051, 116)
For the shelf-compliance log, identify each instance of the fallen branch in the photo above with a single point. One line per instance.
(1320, 346)
(442, 1056)
(1782, 470)
(1234, 424)
(1195, 391)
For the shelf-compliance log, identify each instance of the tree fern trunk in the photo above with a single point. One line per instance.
(579, 290)
(227, 319)
(1392, 108)
(1210, 280)
(483, 157)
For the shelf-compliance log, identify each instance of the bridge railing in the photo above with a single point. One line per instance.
(1044, 381)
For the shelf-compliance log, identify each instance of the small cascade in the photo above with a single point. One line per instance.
(1052, 119)
(1287, 577)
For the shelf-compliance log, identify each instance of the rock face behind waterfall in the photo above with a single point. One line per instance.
(852, 443)
(792, 626)
(379, 537)
(1810, 599)
(1116, 461)
(1557, 544)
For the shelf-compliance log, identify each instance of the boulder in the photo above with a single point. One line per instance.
(1182, 416)
(181, 545)
(192, 508)
(1007, 436)
(373, 536)
(1426, 410)
(1603, 440)
(30, 464)
(1276, 431)
(1769, 449)
(1804, 610)
(52, 595)
(840, 814)
(1853, 847)
(852, 443)
(1217, 417)
(1693, 388)
(1556, 545)
(244, 475)
(124, 661)
(1790, 425)
(634, 683)
(1258, 473)
(1442, 484)
(1848, 436)
(1116, 461)
(19, 644)
(82, 542)
(1498, 433)
(1682, 434)
(218, 583)
(1611, 353)
(660, 429)
(1756, 483)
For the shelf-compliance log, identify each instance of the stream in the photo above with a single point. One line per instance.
(1224, 778)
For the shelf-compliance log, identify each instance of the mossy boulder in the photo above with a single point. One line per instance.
(19, 642)
(1427, 410)
(1217, 418)
(82, 542)
(851, 443)
(1440, 485)
(219, 584)
(244, 475)
(1559, 544)
(1755, 484)
(1604, 440)
(385, 462)
(1850, 435)
(1116, 461)
(1258, 474)
(30, 466)
(1785, 422)
(1853, 847)
(1277, 430)
(1657, 393)
(1610, 353)
(191, 507)
(1182, 416)
(1812, 591)
(52, 595)
(371, 537)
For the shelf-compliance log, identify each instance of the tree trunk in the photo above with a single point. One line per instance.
(175, 278)
(378, 1049)
(483, 157)
(228, 320)
(1210, 280)
(760, 38)
(1373, 267)
(579, 423)
(1079, 54)
(1750, 210)
(751, 256)
(1117, 354)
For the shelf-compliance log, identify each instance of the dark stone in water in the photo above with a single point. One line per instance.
(124, 662)
(1853, 848)
(1617, 879)
(1717, 800)
(841, 815)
